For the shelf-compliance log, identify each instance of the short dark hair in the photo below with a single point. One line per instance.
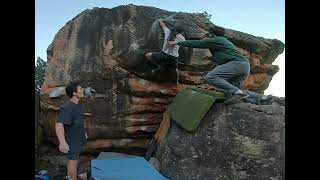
(179, 30)
(211, 32)
(217, 31)
(71, 87)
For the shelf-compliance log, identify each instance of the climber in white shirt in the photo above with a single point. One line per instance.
(168, 56)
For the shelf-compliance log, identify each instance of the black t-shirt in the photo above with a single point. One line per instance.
(72, 116)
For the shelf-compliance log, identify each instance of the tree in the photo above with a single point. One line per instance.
(204, 14)
(207, 15)
(40, 70)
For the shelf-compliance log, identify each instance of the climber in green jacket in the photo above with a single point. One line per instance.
(231, 70)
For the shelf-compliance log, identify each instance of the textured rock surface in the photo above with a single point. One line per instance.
(241, 141)
(103, 48)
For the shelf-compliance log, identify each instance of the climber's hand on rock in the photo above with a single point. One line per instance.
(88, 92)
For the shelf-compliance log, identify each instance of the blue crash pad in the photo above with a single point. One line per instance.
(113, 155)
(135, 168)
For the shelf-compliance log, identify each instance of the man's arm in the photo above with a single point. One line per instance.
(64, 118)
(64, 147)
(194, 43)
(178, 39)
(162, 24)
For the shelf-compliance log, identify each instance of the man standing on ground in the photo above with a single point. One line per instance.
(70, 128)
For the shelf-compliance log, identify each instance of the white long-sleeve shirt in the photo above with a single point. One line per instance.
(171, 50)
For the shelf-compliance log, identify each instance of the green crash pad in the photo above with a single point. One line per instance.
(191, 105)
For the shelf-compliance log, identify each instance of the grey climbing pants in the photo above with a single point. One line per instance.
(228, 78)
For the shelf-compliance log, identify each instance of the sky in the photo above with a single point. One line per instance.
(265, 18)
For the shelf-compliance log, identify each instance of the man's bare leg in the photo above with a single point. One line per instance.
(148, 55)
(72, 169)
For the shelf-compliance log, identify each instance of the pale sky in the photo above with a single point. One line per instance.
(277, 85)
(263, 18)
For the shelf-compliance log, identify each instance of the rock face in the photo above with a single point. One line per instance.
(103, 48)
(241, 141)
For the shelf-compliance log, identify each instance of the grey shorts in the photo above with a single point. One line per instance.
(73, 155)
(165, 59)
(75, 151)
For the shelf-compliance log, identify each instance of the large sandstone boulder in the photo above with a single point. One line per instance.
(103, 48)
(241, 141)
